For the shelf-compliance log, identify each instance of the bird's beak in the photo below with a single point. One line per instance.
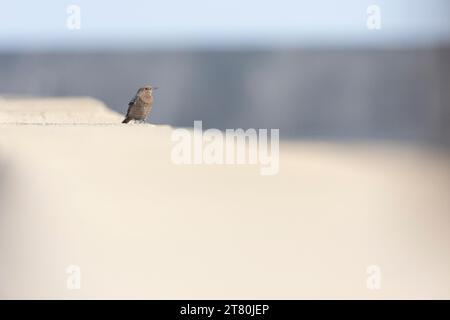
(154, 88)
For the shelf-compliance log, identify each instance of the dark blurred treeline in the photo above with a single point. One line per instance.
(312, 93)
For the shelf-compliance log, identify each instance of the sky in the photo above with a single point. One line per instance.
(42, 24)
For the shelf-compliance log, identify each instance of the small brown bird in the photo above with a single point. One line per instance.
(140, 106)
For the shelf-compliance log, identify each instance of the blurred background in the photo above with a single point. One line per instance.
(313, 69)
(360, 91)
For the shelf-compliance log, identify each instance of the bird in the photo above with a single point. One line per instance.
(140, 106)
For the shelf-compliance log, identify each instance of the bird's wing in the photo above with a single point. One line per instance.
(133, 100)
(131, 103)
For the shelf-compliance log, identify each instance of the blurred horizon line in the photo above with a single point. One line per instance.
(231, 44)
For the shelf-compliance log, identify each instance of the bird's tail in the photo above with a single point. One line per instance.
(126, 120)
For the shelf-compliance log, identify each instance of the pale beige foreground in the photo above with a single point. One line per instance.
(107, 198)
